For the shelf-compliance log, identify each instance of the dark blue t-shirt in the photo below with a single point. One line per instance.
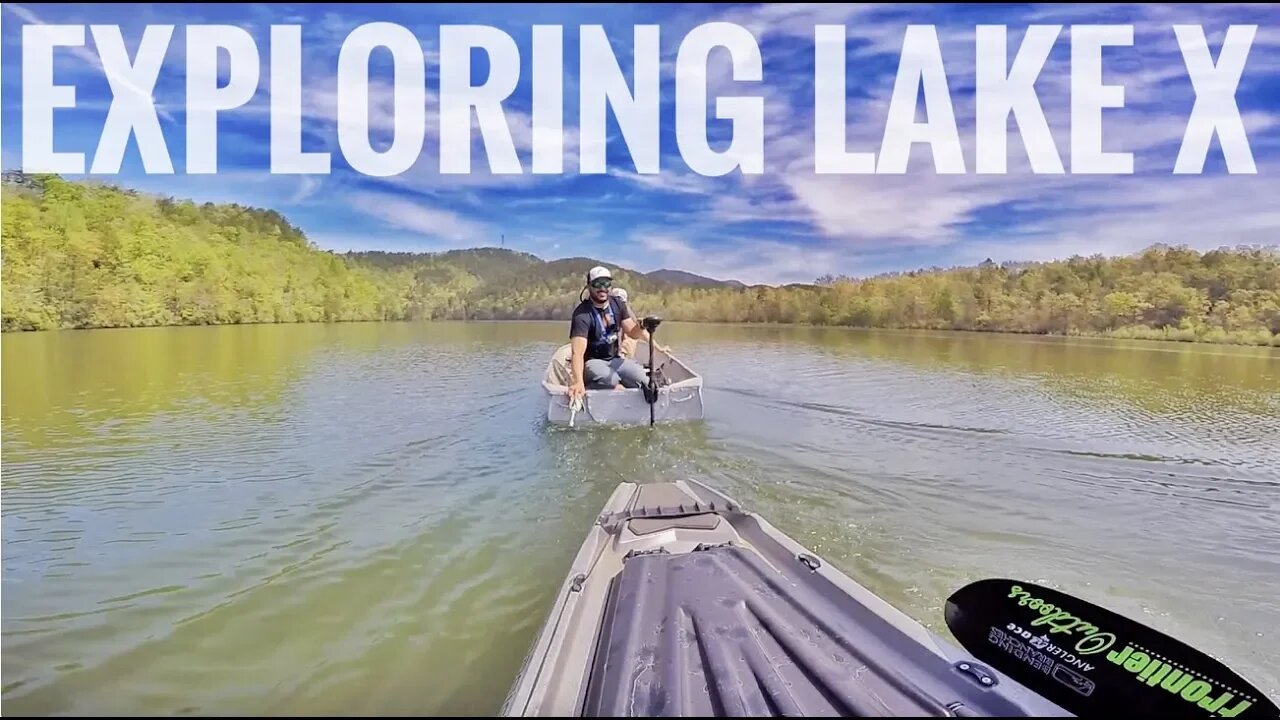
(587, 322)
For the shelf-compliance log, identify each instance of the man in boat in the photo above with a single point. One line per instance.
(594, 332)
(562, 360)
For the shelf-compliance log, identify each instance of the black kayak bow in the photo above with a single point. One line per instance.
(1090, 660)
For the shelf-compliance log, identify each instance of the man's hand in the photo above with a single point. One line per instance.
(577, 390)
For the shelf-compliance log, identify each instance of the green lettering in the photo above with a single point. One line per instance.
(1175, 682)
(1153, 677)
(1196, 690)
(1060, 620)
(1047, 619)
(1095, 643)
(1137, 661)
(1216, 705)
(1068, 621)
(1119, 657)
(1239, 708)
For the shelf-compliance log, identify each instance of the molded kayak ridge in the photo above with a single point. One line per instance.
(680, 602)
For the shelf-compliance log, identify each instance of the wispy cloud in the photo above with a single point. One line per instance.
(1141, 212)
(91, 58)
(749, 260)
(444, 226)
(789, 224)
(307, 186)
(674, 181)
(923, 209)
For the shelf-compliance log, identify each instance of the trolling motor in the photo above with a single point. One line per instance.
(651, 323)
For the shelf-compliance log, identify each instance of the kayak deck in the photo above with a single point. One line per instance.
(681, 603)
(714, 632)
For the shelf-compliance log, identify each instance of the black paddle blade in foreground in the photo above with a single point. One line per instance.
(1090, 660)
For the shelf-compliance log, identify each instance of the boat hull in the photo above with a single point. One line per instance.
(679, 396)
(626, 407)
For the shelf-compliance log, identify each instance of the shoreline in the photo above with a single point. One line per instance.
(1252, 338)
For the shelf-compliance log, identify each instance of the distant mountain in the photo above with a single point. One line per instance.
(490, 265)
(688, 279)
(483, 262)
(496, 283)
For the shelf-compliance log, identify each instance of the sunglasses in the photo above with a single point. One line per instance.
(601, 283)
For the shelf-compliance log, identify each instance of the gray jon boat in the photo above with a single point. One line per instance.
(680, 602)
(678, 397)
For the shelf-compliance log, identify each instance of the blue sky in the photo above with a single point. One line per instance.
(789, 224)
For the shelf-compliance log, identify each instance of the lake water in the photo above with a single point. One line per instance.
(371, 519)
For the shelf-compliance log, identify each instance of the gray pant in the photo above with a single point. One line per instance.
(608, 373)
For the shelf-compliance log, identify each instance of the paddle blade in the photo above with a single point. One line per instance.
(1090, 660)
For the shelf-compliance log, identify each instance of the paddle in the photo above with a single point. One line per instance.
(1090, 660)
(651, 323)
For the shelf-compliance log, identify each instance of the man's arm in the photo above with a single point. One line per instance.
(630, 326)
(579, 328)
(576, 362)
(635, 330)
(632, 329)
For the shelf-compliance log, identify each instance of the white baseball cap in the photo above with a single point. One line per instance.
(598, 272)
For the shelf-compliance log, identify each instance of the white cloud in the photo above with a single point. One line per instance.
(752, 261)
(669, 180)
(444, 226)
(923, 208)
(748, 207)
(90, 57)
(853, 214)
(874, 209)
(557, 240)
(670, 247)
(1140, 212)
(308, 185)
(796, 20)
(1114, 216)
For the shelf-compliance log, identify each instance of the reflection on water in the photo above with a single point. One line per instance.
(372, 518)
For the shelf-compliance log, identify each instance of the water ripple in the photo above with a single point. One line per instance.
(320, 519)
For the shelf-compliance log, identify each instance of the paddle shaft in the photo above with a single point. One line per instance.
(653, 388)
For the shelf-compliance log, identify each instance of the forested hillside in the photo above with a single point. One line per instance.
(80, 255)
(85, 255)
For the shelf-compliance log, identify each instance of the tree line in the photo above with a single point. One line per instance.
(84, 255)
